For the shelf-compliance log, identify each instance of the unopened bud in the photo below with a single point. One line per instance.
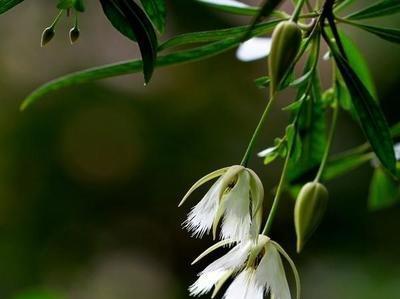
(310, 207)
(47, 36)
(286, 41)
(74, 34)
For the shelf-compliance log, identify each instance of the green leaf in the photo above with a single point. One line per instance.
(235, 7)
(141, 27)
(157, 11)
(130, 67)
(344, 164)
(117, 19)
(68, 4)
(379, 9)
(389, 34)
(358, 63)
(6, 5)
(383, 191)
(215, 35)
(266, 10)
(395, 130)
(369, 114)
(262, 82)
(310, 123)
(342, 4)
(79, 5)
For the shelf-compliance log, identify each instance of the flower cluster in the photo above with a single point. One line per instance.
(254, 260)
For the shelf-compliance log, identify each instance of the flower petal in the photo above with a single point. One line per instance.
(254, 49)
(201, 217)
(233, 260)
(257, 198)
(206, 281)
(232, 3)
(245, 286)
(211, 249)
(271, 274)
(237, 219)
(202, 181)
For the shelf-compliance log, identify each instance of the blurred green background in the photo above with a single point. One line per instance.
(90, 176)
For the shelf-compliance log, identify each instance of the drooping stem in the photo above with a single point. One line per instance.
(278, 193)
(257, 131)
(297, 11)
(329, 142)
(56, 19)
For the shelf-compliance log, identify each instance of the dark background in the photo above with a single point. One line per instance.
(90, 176)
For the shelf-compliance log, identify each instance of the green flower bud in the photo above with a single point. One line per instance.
(286, 41)
(310, 207)
(74, 34)
(47, 35)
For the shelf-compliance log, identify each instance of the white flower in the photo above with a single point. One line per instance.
(254, 49)
(258, 269)
(397, 151)
(235, 198)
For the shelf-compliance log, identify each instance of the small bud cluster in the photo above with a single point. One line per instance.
(64, 6)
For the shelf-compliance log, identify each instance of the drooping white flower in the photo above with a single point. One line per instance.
(254, 49)
(235, 200)
(257, 268)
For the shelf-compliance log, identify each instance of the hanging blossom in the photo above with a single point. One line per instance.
(256, 267)
(235, 200)
(253, 49)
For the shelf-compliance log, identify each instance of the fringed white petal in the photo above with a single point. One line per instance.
(206, 282)
(271, 274)
(237, 219)
(201, 217)
(253, 49)
(245, 286)
(231, 3)
(233, 260)
(202, 181)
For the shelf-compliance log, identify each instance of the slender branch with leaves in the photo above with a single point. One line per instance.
(232, 209)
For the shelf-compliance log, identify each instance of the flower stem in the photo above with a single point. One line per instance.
(257, 131)
(278, 193)
(329, 143)
(297, 11)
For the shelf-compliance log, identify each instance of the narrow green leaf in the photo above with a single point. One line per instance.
(262, 82)
(266, 10)
(344, 164)
(141, 27)
(389, 34)
(342, 4)
(395, 130)
(130, 67)
(379, 9)
(215, 35)
(157, 11)
(117, 19)
(369, 114)
(383, 191)
(68, 4)
(233, 7)
(358, 63)
(6, 5)
(310, 116)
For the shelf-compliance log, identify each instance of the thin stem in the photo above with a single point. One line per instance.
(278, 194)
(56, 19)
(297, 11)
(257, 131)
(329, 142)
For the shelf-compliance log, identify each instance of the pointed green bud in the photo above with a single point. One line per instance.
(74, 34)
(286, 41)
(47, 35)
(310, 207)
